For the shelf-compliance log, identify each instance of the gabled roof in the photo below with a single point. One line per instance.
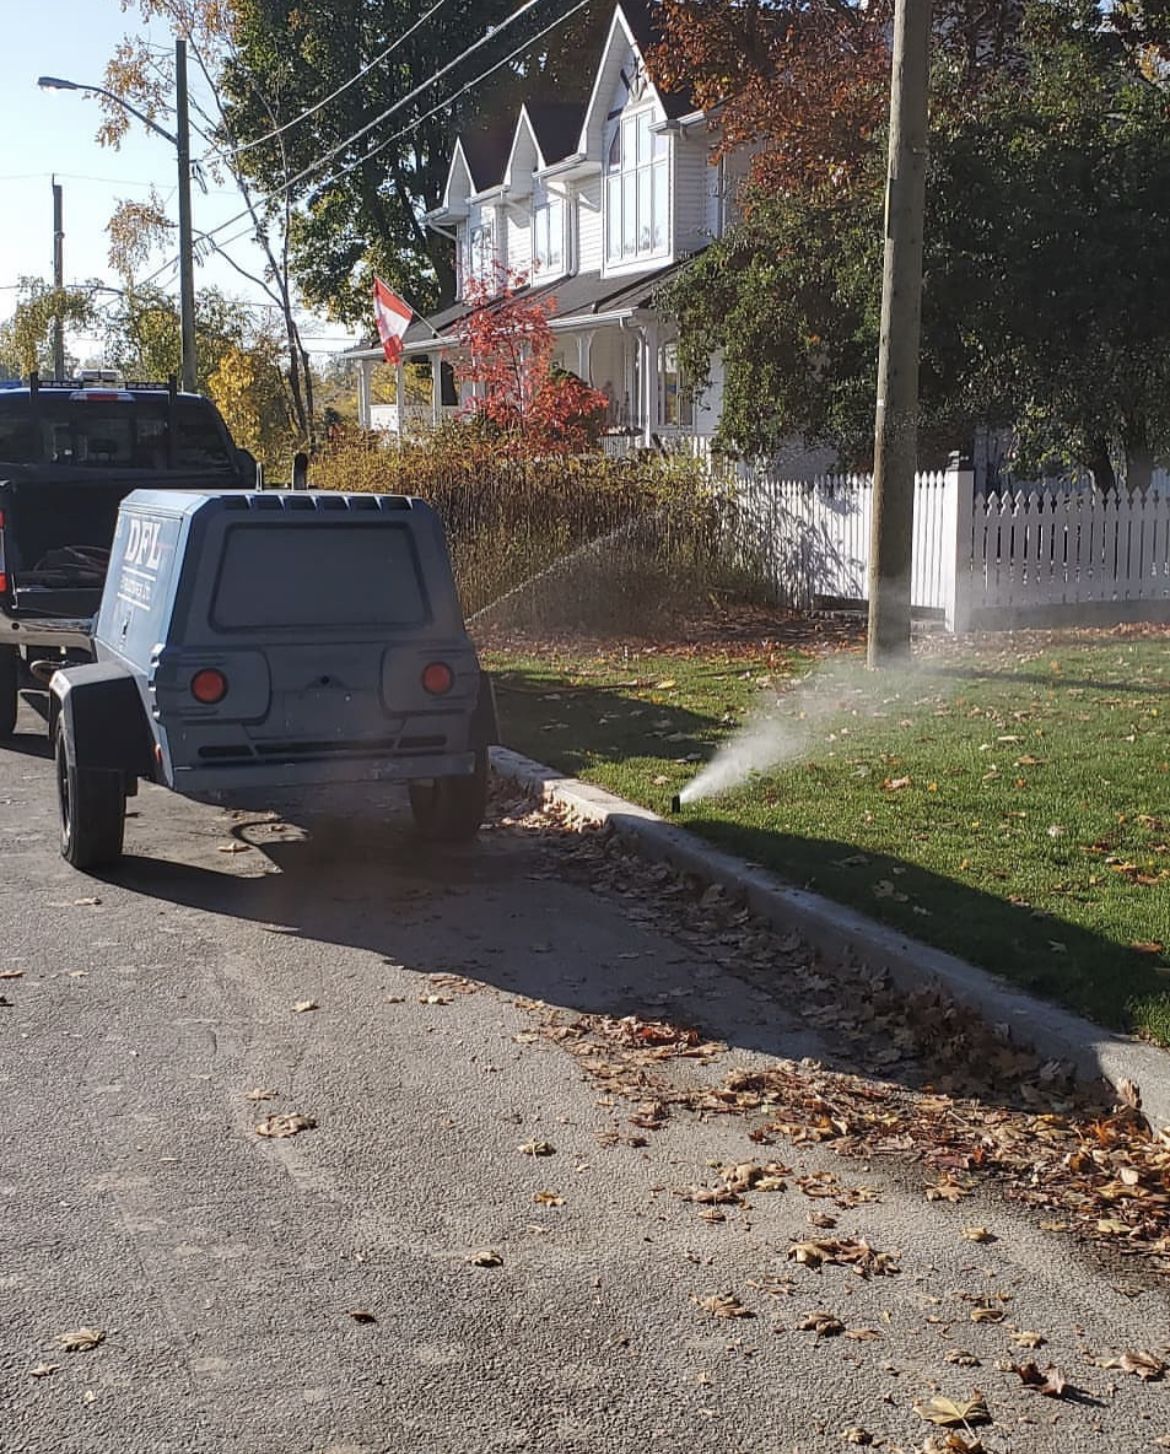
(642, 19)
(635, 24)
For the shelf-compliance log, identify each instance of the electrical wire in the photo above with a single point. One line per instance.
(398, 135)
(208, 237)
(333, 95)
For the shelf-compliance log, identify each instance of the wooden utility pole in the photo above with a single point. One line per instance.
(182, 140)
(58, 280)
(896, 422)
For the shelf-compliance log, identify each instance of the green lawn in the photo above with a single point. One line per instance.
(1011, 803)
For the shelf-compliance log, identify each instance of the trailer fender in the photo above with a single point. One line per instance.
(106, 727)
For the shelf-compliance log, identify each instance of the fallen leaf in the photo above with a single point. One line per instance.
(89, 1397)
(234, 847)
(548, 1199)
(259, 1094)
(537, 1148)
(434, 999)
(1025, 1338)
(359, 1315)
(279, 1128)
(11, 973)
(723, 1305)
(302, 1006)
(1051, 1383)
(80, 1340)
(43, 1370)
(844, 1253)
(856, 1435)
(487, 1258)
(950, 1413)
(89, 903)
(895, 784)
(947, 1190)
(862, 1335)
(978, 1234)
(1147, 1367)
(824, 1325)
(987, 1315)
(961, 1358)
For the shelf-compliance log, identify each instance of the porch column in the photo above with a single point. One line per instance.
(436, 388)
(584, 340)
(400, 397)
(365, 382)
(651, 387)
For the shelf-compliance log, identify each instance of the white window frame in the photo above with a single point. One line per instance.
(637, 184)
(481, 251)
(548, 268)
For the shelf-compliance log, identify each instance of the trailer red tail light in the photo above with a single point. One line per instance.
(438, 678)
(209, 686)
(3, 571)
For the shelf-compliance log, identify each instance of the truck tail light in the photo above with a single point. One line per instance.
(438, 678)
(209, 686)
(3, 570)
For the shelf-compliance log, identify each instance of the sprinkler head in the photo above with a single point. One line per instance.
(676, 804)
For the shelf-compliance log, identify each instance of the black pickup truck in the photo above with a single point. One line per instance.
(70, 451)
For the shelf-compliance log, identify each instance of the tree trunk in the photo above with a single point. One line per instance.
(1100, 465)
(1139, 457)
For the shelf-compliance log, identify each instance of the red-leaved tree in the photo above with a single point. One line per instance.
(806, 82)
(507, 346)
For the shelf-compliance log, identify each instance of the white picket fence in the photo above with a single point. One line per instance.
(977, 559)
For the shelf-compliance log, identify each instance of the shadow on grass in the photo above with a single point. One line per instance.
(1035, 949)
(976, 673)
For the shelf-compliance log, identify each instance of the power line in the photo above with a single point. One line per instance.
(397, 136)
(333, 95)
(398, 105)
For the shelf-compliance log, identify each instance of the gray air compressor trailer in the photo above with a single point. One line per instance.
(249, 641)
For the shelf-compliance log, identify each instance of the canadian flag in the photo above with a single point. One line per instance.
(393, 317)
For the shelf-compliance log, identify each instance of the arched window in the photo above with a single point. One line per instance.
(637, 190)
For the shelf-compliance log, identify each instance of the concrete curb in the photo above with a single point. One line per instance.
(838, 931)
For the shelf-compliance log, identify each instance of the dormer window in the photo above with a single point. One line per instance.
(482, 252)
(548, 238)
(637, 190)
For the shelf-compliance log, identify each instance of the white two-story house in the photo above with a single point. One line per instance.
(597, 205)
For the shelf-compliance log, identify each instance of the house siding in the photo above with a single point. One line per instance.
(695, 183)
(518, 231)
(590, 250)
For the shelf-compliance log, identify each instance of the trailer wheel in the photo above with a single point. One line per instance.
(9, 689)
(451, 809)
(93, 810)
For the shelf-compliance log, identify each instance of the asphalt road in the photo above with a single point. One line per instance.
(225, 1268)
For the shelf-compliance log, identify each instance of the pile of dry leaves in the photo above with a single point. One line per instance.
(968, 1103)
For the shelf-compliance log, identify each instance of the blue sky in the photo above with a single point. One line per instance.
(46, 132)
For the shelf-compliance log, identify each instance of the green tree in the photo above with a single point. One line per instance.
(1048, 235)
(26, 338)
(291, 54)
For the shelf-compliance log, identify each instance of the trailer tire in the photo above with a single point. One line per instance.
(9, 689)
(451, 809)
(93, 809)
